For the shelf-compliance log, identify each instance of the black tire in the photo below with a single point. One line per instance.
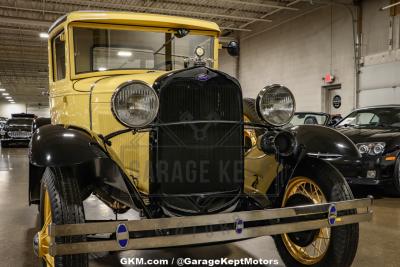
(4, 144)
(343, 242)
(394, 188)
(66, 208)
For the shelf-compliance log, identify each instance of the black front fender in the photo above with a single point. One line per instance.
(325, 143)
(58, 146)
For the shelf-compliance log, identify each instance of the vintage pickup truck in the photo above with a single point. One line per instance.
(142, 119)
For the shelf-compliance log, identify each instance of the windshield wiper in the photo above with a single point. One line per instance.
(167, 42)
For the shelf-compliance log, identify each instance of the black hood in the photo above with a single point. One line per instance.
(362, 135)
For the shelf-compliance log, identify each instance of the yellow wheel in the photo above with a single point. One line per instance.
(60, 203)
(250, 136)
(307, 247)
(316, 181)
(250, 115)
(44, 238)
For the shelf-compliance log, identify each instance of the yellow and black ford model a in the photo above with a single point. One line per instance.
(142, 119)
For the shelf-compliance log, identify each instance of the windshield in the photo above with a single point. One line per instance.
(373, 118)
(308, 118)
(106, 49)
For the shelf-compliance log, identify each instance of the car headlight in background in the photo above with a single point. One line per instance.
(135, 104)
(376, 148)
(276, 105)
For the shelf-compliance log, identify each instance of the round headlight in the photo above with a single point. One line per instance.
(378, 148)
(363, 149)
(135, 104)
(276, 105)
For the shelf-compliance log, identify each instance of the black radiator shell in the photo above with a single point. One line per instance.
(197, 168)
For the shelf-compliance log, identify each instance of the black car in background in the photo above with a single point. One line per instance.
(316, 118)
(2, 125)
(18, 130)
(376, 133)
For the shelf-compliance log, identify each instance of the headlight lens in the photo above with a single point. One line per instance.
(376, 148)
(276, 105)
(363, 149)
(135, 104)
(379, 148)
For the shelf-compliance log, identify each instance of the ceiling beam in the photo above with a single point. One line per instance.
(25, 21)
(4, 43)
(22, 60)
(262, 4)
(169, 11)
(269, 14)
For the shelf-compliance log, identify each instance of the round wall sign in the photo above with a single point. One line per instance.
(337, 101)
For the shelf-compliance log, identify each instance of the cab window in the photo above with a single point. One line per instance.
(59, 57)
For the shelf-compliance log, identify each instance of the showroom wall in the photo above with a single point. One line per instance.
(298, 54)
(227, 63)
(379, 74)
(7, 109)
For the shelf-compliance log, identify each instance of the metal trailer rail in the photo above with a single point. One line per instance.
(168, 234)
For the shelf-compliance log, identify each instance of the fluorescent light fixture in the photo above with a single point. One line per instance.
(389, 6)
(124, 53)
(8, 97)
(5, 93)
(102, 68)
(44, 35)
(2, 89)
(12, 102)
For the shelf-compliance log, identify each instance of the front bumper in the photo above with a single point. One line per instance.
(172, 232)
(15, 141)
(367, 181)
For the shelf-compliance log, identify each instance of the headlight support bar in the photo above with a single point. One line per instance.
(150, 127)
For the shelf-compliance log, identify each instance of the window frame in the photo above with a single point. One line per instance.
(54, 56)
(74, 75)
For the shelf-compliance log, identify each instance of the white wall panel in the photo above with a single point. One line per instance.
(380, 76)
(381, 96)
(39, 111)
(7, 109)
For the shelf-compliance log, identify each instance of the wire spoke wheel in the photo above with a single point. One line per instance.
(60, 203)
(307, 247)
(250, 136)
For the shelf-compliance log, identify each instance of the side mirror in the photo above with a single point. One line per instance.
(233, 48)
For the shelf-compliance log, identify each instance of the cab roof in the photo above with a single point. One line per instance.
(137, 19)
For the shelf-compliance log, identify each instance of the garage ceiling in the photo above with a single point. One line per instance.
(23, 60)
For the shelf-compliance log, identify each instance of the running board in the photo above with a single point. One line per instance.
(172, 232)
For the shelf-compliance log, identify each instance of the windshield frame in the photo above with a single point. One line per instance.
(366, 126)
(71, 50)
(326, 115)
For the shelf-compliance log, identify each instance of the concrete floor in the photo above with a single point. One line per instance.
(379, 240)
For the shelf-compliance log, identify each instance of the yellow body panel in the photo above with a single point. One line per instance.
(72, 98)
(257, 179)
